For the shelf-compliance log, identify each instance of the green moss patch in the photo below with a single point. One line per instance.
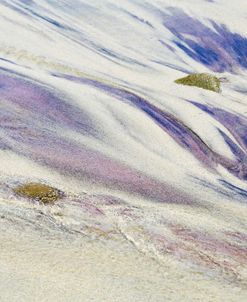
(40, 192)
(202, 80)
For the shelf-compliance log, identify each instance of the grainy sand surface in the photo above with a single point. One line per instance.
(145, 179)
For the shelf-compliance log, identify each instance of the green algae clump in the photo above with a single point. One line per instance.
(202, 80)
(39, 191)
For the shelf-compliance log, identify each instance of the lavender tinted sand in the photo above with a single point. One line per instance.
(153, 174)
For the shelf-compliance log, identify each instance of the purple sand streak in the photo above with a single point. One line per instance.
(218, 49)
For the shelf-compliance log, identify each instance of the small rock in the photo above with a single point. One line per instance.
(39, 191)
(202, 80)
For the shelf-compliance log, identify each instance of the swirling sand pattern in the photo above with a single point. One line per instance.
(154, 173)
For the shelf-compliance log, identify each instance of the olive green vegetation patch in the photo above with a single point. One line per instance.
(202, 80)
(40, 192)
